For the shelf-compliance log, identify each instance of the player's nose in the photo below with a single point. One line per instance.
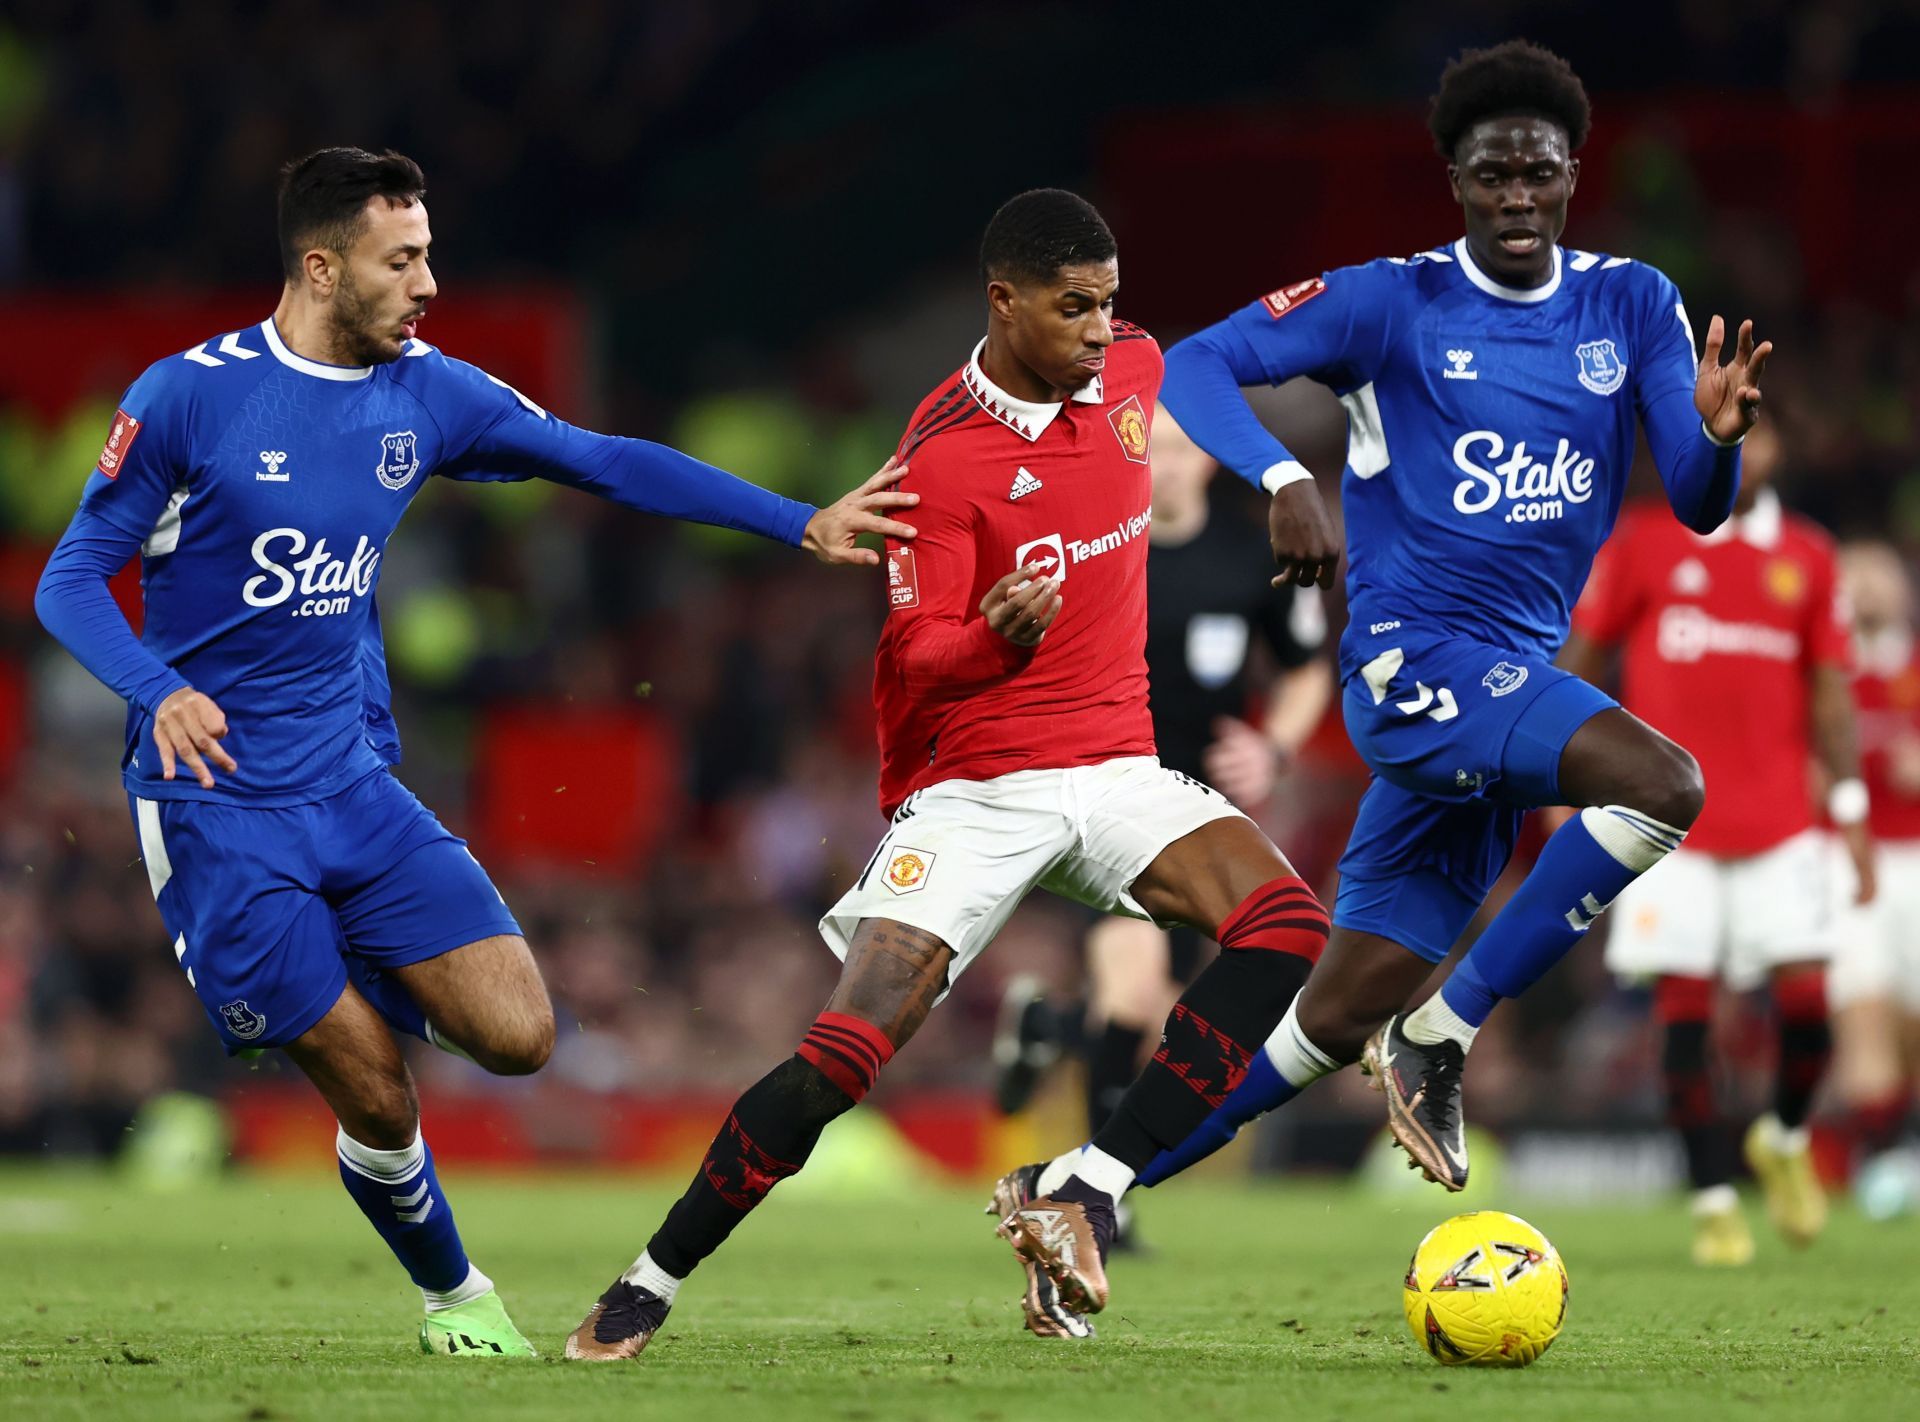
(425, 288)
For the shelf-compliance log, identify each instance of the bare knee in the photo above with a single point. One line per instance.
(1674, 791)
(1618, 759)
(518, 1047)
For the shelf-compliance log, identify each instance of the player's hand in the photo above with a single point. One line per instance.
(1859, 842)
(1728, 396)
(1242, 763)
(831, 531)
(1022, 606)
(1305, 547)
(188, 729)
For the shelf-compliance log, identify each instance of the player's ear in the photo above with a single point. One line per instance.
(1573, 175)
(1453, 181)
(1001, 298)
(318, 266)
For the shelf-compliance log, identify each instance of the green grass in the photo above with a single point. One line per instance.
(267, 1298)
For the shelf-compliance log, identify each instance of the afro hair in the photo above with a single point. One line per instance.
(1517, 77)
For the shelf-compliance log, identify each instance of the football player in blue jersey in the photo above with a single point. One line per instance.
(312, 902)
(1492, 388)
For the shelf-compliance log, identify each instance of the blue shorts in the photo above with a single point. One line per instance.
(262, 905)
(1463, 738)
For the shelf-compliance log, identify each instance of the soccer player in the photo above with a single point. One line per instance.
(1491, 387)
(1016, 753)
(1875, 979)
(1209, 612)
(1736, 642)
(307, 893)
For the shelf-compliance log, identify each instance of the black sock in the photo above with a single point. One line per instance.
(1211, 1035)
(1691, 1109)
(768, 1136)
(1804, 1050)
(1113, 1060)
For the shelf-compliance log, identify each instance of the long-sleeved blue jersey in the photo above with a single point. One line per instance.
(1491, 429)
(260, 489)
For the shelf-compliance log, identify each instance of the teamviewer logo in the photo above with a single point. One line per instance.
(1047, 554)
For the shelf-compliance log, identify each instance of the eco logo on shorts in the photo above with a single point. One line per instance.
(908, 869)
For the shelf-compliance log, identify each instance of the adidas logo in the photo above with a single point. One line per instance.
(1023, 484)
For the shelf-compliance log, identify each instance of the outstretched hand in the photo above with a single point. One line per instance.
(1728, 396)
(832, 530)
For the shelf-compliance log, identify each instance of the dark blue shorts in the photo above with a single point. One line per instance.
(1463, 737)
(263, 904)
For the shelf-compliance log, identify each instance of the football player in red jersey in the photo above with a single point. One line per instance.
(1016, 752)
(1736, 642)
(1875, 980)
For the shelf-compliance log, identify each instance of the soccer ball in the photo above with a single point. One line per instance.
(1485, 1289)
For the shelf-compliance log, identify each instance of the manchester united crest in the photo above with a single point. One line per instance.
(1130, 425)
(1786, 581)
(907, 870)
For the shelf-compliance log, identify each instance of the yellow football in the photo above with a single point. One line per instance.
(1487, 1290)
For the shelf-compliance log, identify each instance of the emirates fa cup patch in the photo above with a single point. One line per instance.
(907, 870)
(1279, 303)
(903, 579)
(1130, 427)
(119, 440)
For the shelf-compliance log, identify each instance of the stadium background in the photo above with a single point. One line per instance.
(751, 234)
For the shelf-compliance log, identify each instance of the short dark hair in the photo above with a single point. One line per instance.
(323, 198)
(1517, 77)
(1035, 234)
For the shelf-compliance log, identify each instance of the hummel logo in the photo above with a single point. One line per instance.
(1460, 371)
(1023, 484)
(273, 459)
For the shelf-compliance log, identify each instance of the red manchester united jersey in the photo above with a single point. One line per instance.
(1886, 690)
(1005, 483)
(1719, 637)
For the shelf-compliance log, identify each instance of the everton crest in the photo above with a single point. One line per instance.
(242, 1021)
(400, 458)
(1601, 369)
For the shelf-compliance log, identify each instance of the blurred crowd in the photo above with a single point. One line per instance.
(135, 144)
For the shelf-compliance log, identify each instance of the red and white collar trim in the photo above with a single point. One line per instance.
(1023, 417)
(1759, 526)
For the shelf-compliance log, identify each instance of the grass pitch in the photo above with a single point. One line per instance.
(265, 1298)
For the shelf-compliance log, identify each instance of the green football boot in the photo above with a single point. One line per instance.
(479, 1329)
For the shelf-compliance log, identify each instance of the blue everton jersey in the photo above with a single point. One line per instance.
(260, 489)
(1491, 429)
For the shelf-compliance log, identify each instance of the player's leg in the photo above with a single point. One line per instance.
(486, 998)
(1164, 847)
(1683, 1009)
(1128, 991)
(956, 862)
(354, 1063)
(1413, 875)
(1640, 794)
(892, 976)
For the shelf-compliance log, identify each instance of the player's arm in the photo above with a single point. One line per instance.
(73, 602)
(1331, 329)
(512, 439)
(1245, 763)
(1696, 414)
(946, 643)
(1836, 737)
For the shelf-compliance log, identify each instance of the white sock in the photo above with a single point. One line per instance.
(380, 1164)
(650, 1276)
(1057, 1171)
(1298, 1061)
(1779, 1137)
(1715, 1200)
(466, 1291)
(1109, 1176)
(1433, 1022)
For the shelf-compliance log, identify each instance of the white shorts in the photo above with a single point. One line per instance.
(1702, 916)
(1878, 944)
(961, 855)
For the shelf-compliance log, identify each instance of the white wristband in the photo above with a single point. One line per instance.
(1847, 802)
(1287, 471)
(1722, 443)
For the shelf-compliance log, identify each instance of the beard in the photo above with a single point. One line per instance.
(355, 321)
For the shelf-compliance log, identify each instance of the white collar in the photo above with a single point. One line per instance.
(1023, 417)
(1506, 293)
(1759, 526)
(305, 366)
